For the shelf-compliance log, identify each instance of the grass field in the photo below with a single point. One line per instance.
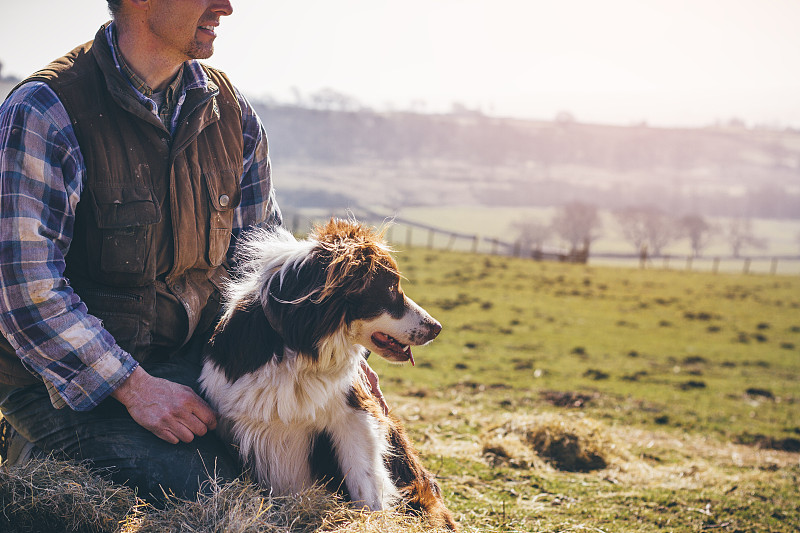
(564, 398)
(687, 383)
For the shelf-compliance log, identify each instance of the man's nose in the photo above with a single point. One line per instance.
(223, 8)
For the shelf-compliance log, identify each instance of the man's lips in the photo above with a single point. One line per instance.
(390, 348)
(209, 29)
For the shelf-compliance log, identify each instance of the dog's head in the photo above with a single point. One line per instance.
(345, 282)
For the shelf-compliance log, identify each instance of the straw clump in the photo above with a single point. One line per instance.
(568, 443)
(52, 495)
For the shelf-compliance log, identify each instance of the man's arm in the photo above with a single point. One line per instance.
(41, 179)
(258, 206)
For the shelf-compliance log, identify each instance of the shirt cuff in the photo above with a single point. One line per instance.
(93, 383)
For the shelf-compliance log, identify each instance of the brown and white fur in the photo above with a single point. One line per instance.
(284, 367)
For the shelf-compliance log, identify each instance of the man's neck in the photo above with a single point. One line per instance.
(156, 69)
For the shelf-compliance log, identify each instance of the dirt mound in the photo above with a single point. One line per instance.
(569, 443)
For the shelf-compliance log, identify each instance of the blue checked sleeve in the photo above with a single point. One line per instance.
(41, 179)
(258, 206)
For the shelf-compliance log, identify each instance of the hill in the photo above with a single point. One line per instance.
(401, 159)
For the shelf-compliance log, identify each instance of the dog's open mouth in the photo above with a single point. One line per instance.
(391, 348)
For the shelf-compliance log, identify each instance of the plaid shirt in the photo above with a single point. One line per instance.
(42, 175)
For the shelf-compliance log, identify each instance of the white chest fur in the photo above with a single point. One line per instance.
(274, 413)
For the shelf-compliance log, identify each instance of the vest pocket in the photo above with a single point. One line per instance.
(124, 216)
(224, 192)
(121, 311)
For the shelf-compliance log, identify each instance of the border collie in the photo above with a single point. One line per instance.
(283, 368)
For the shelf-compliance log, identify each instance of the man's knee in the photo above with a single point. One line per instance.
(182, 470)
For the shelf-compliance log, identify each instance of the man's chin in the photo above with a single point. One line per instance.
(198, 51)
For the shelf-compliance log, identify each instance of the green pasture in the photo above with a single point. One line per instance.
(558, 398)
(693, 380)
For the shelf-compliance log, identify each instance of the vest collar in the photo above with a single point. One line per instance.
(198, 89)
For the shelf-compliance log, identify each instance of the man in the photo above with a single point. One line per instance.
(125, 168)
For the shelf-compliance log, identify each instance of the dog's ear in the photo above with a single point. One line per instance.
(244, 341)
(295, 306)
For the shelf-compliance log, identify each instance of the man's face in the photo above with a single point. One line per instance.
(187, 28)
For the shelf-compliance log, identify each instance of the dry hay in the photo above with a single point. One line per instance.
(568, 443)
(50, 495)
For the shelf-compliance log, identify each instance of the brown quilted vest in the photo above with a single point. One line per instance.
(154, 222)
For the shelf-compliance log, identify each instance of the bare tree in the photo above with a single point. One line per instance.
(332, 100)
(646, 226)
(531, 233)
(578, 224)
(739, 233)
(631, 221)
(698, 230)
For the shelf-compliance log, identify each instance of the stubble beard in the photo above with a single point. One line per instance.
(198, 50)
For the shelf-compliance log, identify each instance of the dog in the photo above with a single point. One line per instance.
(284, 367)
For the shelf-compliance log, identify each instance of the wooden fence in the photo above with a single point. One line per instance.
(409, 233)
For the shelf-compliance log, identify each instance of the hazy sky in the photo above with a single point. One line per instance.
(669, 62)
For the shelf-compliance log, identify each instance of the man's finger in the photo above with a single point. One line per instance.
(194, 424)
(167, 435)
(183, 433)
(204, 412)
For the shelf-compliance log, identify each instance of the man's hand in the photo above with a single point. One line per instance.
(171, 411)
(372, 377)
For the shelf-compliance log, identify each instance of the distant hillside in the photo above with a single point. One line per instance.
(403, 159)
(332, 158)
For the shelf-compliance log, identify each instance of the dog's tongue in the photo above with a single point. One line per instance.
(410, 355)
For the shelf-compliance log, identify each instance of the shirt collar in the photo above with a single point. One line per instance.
(192, 74)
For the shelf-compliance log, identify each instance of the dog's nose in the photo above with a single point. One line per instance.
(436, 328)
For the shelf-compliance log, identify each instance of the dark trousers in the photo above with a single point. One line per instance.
(115, 444)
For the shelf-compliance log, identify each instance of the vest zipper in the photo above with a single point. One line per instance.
(109, 293)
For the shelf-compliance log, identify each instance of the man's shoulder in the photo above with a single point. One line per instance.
(31, 97)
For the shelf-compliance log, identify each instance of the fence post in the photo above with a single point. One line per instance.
(408, 236)
(666, 262)
(689, 262)
(746, 269)
(452, 242)
(475, 240)
(494, 246)
(715, 265)
(774, 267)
(430, 239)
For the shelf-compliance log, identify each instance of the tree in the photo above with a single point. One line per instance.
(646, 226)
(331, 100)
(739, 234)
(532, 233)
(578, 224)
(698, 230)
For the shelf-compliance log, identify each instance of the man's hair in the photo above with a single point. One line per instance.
(114, 6)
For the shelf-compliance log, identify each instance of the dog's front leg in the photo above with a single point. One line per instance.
(359, 443)
(281, 459)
